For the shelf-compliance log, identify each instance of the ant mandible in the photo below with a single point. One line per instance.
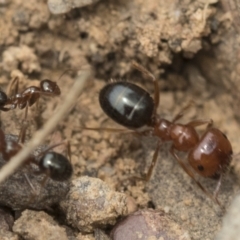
(132, 107)
(29, 96)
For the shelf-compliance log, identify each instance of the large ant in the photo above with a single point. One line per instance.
(132, 107)
(29, 96)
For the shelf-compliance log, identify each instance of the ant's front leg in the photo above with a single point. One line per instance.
(154, 161)
(146, 177)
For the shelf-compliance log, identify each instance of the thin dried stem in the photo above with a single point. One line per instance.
(49, 126)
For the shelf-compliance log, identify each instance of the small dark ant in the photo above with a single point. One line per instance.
(132, 107)
(54, 165)
(29, 96)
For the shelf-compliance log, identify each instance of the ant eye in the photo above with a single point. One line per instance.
(200, 168)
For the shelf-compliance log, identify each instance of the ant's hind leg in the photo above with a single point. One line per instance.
(191, 175)
(154, 161)
(217, 189)
(30, 183)
(22, 133)
(146, 177)
(114, 130)
(69, 151)
(42, 185)
(34, 193)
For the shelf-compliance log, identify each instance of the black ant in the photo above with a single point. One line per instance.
(29, 96)
(132, 107)
(54, 165)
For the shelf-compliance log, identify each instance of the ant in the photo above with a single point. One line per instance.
(133, 107)
(29, 96)
(54, 165)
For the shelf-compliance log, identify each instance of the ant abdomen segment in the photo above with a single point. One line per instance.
(56, 166)
(212, 155)
(127, 104)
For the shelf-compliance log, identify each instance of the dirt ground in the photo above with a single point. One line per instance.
(190, 46)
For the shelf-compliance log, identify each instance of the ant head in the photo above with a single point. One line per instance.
(50, 87)
(56, 166)
(3, 98)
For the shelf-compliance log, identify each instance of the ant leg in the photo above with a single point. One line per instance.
(22, 134)
(120, 130)
(10, 86)
(217, 189)
(30, 183)
(196, 123)
(181, 113)
(146, 177)
(154, 161)
(156, 85)
(191, 175)
(35, 193)
(69, 152)
(5, 109)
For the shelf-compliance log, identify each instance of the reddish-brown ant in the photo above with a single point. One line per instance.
(132, 107)
(29, 96)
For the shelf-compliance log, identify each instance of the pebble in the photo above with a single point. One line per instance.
(148, 224)
(91, 203)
